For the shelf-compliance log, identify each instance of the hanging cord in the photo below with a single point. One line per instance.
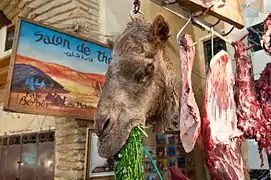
(212, 40)
(149, 156)
(153, 163)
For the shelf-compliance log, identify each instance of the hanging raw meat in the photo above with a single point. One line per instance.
(264, 85)
(250, 118)
(189, 114)
(265, 42)
(220, 135)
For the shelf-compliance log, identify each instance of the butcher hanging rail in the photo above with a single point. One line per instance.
(171, 6)
(198, 23)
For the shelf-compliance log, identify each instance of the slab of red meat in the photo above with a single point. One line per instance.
(265, 42)
(264, 85)
(220, 135)
(250, 118)
(176, 174)
(189, 115)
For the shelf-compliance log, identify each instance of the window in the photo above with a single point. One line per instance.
(255, 36)
(219, 45)
(27, 156)
(9, 37)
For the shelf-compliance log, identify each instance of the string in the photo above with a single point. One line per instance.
(153, 163)
(212, 40)
(148, 154)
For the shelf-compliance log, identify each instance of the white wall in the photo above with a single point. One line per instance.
(267, 6)
(114, 16)
(2, 42)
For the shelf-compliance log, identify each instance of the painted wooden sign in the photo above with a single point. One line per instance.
(54, 73)
(229, 11)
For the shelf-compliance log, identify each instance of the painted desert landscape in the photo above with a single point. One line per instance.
(53, 87)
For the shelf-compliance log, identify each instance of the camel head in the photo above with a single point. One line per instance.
(140, 87)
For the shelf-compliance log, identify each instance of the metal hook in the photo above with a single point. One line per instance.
(250, 47)
(244, 37)
(226, 34)
(213, 25)
(136, 10)
(137, 5)
(182, 29)
(132, 14)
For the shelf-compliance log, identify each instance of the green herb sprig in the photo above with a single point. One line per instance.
(129, 162)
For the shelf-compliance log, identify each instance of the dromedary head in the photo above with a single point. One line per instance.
(140, 88)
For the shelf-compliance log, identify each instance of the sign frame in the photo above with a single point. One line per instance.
(13, 60)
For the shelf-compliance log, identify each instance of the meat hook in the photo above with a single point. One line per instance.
(250, 47)
(137, 5)
(182, 29)
(226, 34)
(191, 20)
(244, 37)
(213, 25)
(136, 10)
(132, 14)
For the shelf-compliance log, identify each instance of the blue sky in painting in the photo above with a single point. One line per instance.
(27, 46)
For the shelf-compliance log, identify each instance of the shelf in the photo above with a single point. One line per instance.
(8, 55)
(3, 70)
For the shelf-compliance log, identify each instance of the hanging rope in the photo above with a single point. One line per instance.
(212, 40)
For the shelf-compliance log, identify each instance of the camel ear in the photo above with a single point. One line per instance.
(161, 28)
(110, 43)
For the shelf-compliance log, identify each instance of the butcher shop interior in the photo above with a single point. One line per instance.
(135, 89)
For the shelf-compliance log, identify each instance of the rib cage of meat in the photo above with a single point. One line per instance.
(264, 85)
(189, 115)
(250, 118)
(265, 42)
(220, 135)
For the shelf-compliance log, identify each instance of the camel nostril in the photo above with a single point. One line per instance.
(106, 125)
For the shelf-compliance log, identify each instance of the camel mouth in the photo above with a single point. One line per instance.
(110, 145)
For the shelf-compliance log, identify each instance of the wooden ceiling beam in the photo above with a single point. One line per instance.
(3, 70)
(3, 19)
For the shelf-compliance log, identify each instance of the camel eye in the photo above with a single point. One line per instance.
(139, 49)
(143, 75)
(149, 69)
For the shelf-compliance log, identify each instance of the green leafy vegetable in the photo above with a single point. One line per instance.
(129, 165)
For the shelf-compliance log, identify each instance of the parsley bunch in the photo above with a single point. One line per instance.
(129, 161)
